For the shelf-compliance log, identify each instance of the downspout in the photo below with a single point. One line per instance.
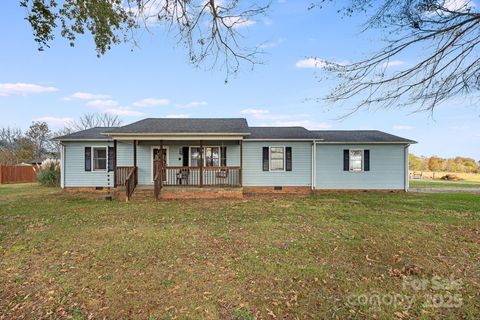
(314, 164)
(405, 176)
(62, 165)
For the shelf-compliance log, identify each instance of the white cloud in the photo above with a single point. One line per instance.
(151, 102)
(458, 5)
(402, 127)
(238, 22)
(309, 124)
(460, 127)
(177, 116)
(123, 111)
(20, 88)
(393, 63)
(192, 104)
(86, 96)
(310, 63)
(55, 121)
(102, 103)
(317, 63)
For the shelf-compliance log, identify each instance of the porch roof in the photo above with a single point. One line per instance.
(181, 126)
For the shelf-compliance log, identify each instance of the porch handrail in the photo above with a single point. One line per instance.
(121, 174)
(224, 176)
(131, 182)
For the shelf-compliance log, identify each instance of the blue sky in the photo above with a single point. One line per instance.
(155, 80)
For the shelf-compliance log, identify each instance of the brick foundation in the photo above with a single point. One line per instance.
(271, 190)
(359, 190)
(168, 193)
(105, 190)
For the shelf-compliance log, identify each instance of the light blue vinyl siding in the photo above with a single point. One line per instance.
(144, 155)
(75, 174)
(253, 174)
(387, 168)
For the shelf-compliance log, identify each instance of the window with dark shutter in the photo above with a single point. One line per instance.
(366, 160)
(288, 158)
(185, 156)
(88, 159)
(111, 158)
(346, 160)
(265, 164)
(223, 156)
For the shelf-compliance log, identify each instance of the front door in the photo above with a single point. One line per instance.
(156, 160)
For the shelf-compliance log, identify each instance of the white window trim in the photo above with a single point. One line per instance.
(93, 158)
(151, 157)
(204, 158)
(270, 158)
(350, 160)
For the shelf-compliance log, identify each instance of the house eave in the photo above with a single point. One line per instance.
(279, 139)
(177, 136)
(367, 142)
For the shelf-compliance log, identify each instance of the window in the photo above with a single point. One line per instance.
(356, 160)
(194, 156)
(99, 158)
(212, 156)
(277, 158)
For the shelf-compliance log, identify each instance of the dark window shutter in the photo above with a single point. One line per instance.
(111, 158)
(185, 156)
(346, 160)
(265, 164)
(223, 156)
(88, 159)
(288, 158)
(366, 160)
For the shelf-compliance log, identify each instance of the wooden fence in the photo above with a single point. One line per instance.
(17, 174)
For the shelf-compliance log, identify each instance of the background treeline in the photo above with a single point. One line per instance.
(437, 164)
(18, 146)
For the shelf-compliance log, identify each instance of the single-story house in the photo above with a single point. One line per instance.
(226, 157)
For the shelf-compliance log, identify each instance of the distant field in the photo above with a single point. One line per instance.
(442, 184)
(466, 177)
(325, 256)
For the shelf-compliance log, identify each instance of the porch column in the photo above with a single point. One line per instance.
(241, 163)
(161, 163)
(115, 163)
(134, 153)
(201, 163)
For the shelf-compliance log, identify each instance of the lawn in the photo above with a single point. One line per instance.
(317, 257)
(443, 184)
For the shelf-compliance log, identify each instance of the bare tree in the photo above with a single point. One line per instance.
(208, 28)
(444, 37)
(92, 120)
(9, 137)
(39, 134)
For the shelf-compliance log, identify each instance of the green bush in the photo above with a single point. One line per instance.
(48, 173)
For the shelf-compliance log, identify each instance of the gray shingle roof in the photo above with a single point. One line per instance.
(280, 133)
(358, 136)
(182, 125)
(89, 134)
(236, 126)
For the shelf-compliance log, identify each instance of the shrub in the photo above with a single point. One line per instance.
(48, 173)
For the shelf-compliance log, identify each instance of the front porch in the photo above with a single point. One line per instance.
(171, 168)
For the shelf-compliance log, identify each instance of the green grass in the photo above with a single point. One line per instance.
(442, 184)
(80, 257)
